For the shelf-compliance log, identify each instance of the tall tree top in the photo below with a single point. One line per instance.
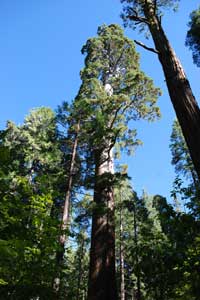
(111, 59)
(114, 90)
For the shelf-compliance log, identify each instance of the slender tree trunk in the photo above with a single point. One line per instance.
(65, 216)
(80, 269)
(183, 100)
(138, 280)
(102, 283)
(122, 275)
(133, 294)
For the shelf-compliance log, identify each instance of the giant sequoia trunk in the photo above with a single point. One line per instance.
(185, 105)
(102, 284)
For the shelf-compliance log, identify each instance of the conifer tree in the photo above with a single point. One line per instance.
(114, 91)
(30, 178)
(184, 169)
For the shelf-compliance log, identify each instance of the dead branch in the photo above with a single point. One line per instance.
(146, 47)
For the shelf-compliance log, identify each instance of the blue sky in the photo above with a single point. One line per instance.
(40, 61)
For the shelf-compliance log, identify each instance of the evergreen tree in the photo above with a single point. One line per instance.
(193, 36)
(185, 170)
(113, 92)
(156, 243)
(30, 179)
(181, 251)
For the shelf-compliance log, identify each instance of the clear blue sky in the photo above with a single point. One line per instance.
(40, 61)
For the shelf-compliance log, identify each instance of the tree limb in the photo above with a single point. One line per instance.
(133, 15)
(138, 19)
(146, 47)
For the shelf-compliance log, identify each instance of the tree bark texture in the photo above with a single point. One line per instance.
(102, 283)
(183, 100)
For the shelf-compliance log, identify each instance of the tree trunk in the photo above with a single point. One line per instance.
(138, 280)
(80, 269)
(102, 284)
(122, 275)
(65, 216)
(183, 100)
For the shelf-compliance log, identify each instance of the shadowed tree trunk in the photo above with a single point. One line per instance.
(183, 100)
(102, 284)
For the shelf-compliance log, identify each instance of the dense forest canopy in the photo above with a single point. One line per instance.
(73, 224)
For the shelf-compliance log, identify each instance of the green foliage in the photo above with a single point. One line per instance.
(137, 8)
(111, 60)
(180, 154)
(29, 228)
(193, 36)
(160, 245)
(190, 191)
(186, 227)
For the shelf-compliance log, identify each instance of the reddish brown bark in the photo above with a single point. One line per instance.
(102, 283)
(183, 100)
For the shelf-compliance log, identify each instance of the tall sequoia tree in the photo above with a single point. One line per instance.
(114, 91)
(149, 13)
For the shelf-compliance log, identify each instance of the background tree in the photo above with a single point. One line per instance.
(182, 231)
(31, 171)
(193, 36)
(69, 141)
(148, 13)
(186, 183)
